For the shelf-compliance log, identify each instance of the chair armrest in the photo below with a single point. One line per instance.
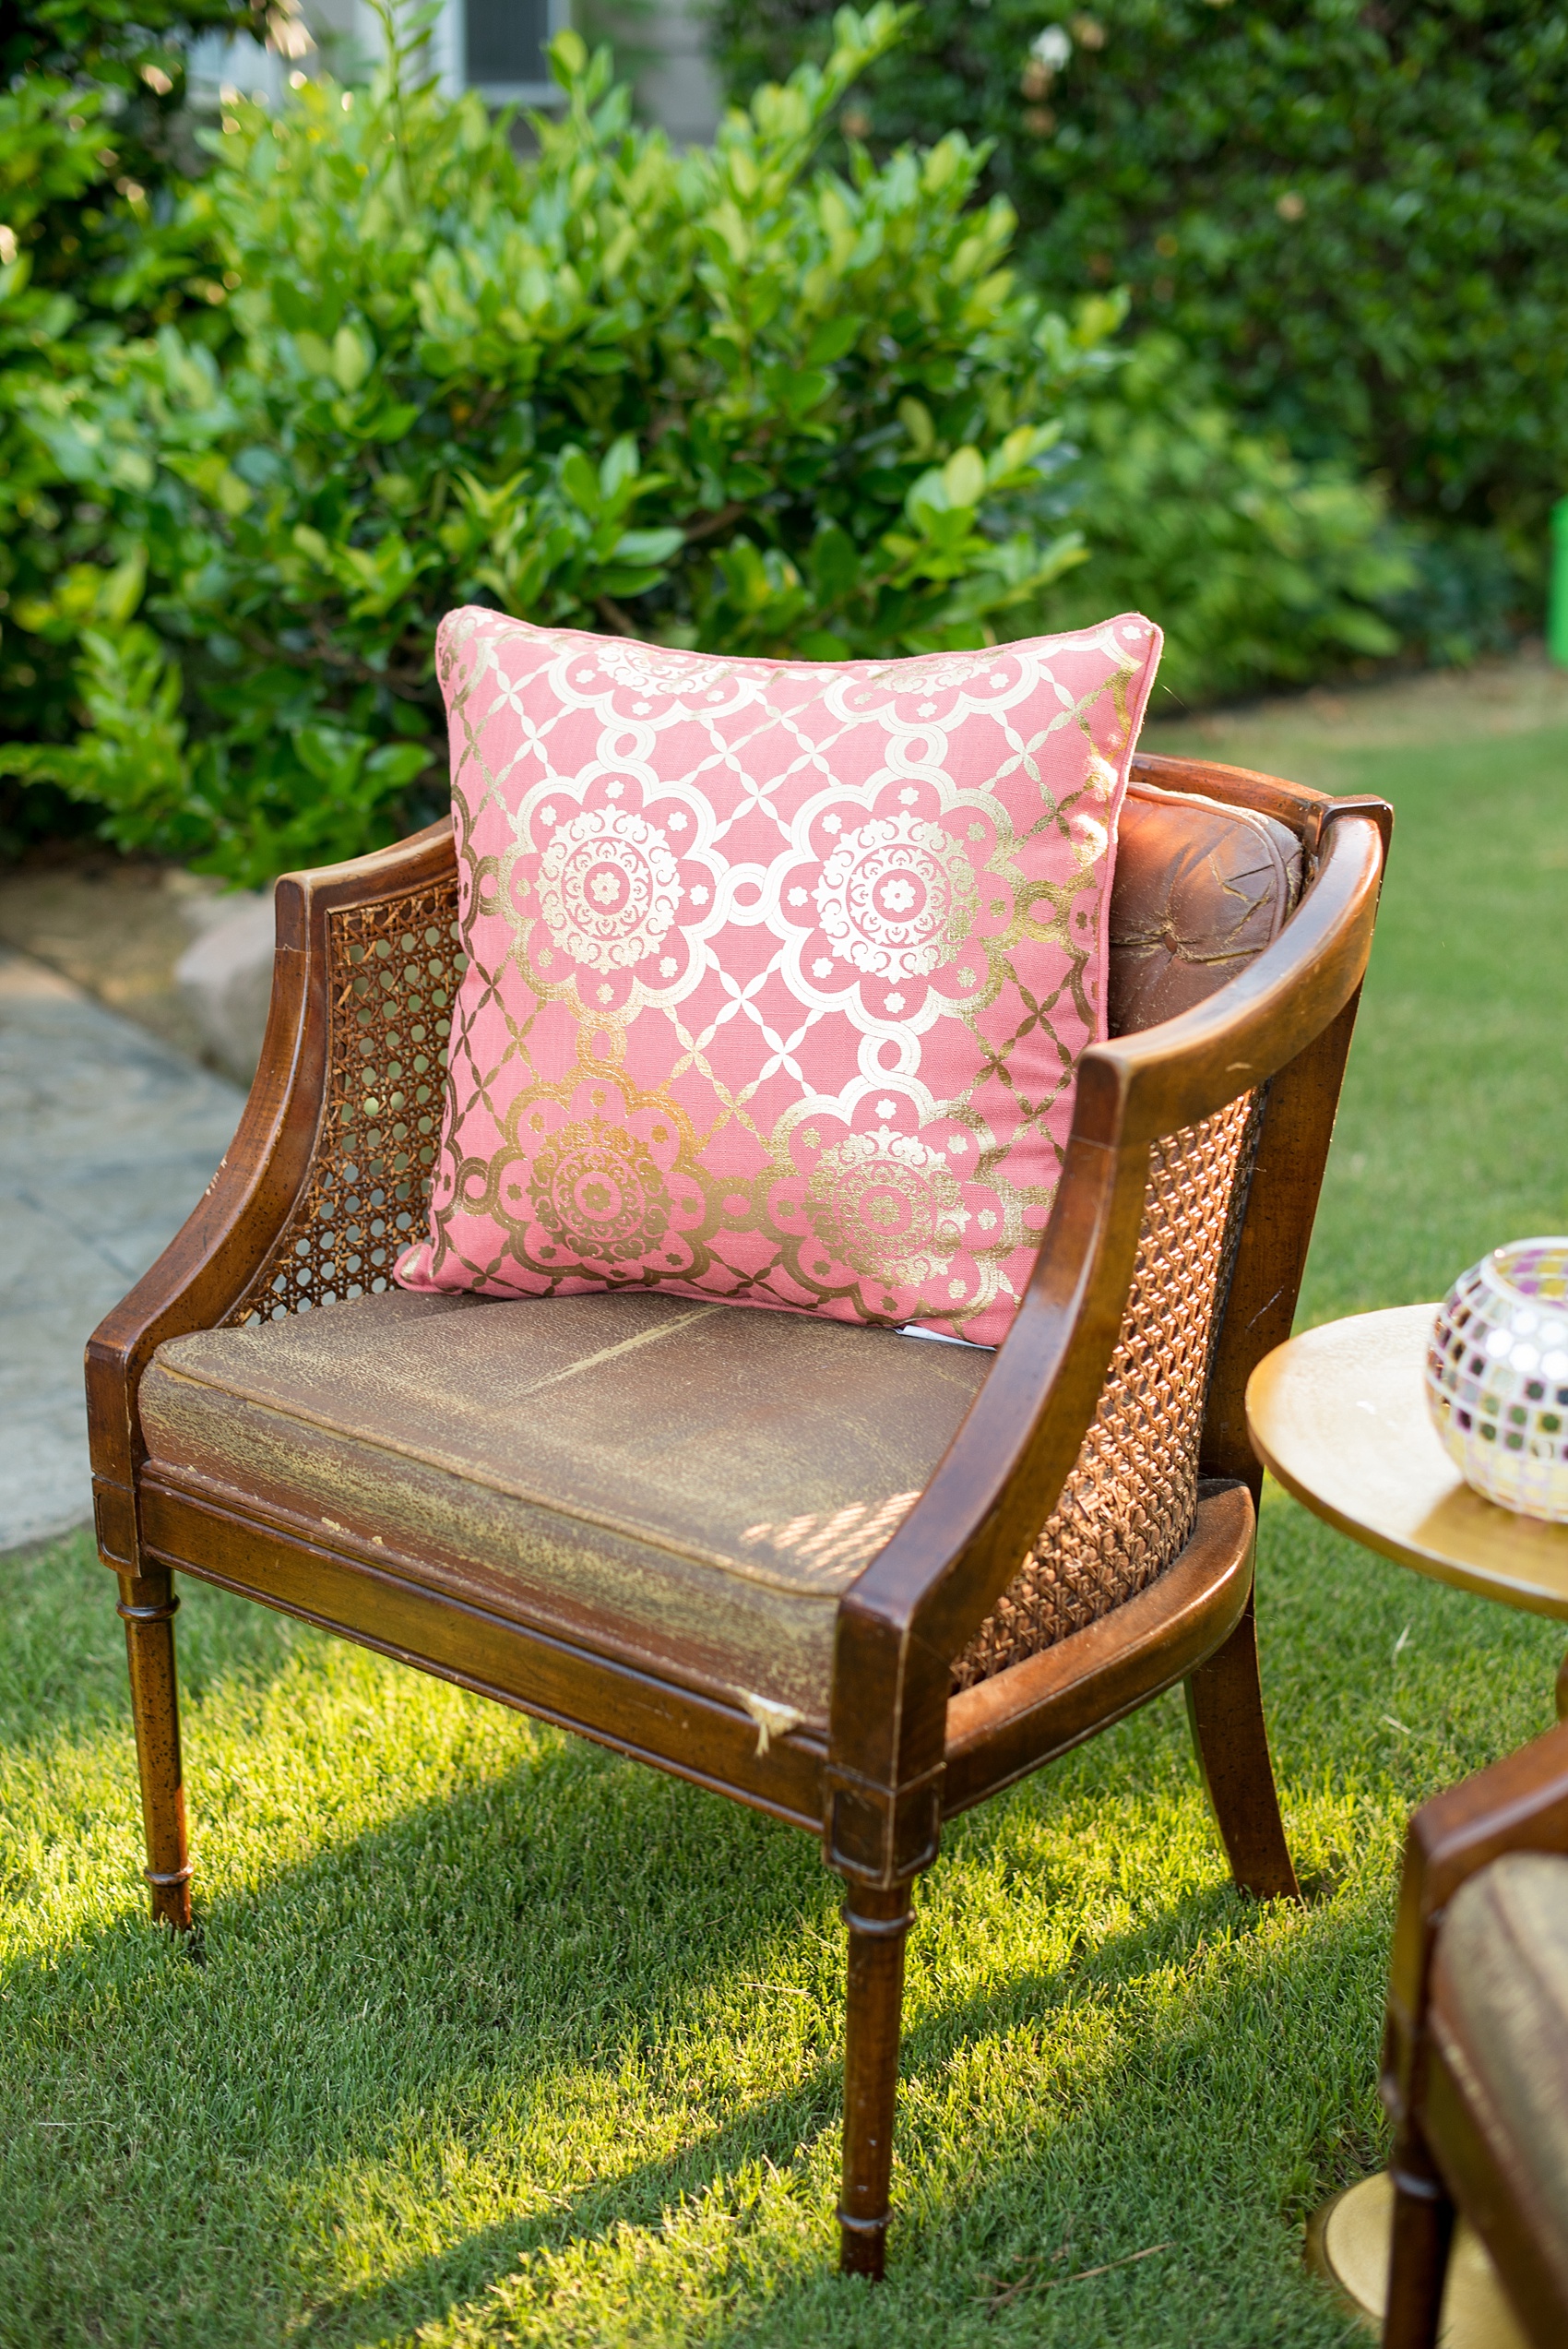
(1520, 1804)
(224, 1243)
(1308, 813)
(904, 1619)
(1008, 1464)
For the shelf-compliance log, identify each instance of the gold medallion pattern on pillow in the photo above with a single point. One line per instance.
(778, 972)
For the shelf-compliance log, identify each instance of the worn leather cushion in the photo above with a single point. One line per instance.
(1199, 889)
(1501, 2009)
(692, 1481)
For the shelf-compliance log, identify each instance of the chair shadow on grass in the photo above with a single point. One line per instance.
(550, 1919)
(775, 2129)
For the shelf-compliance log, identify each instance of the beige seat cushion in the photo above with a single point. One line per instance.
(1501, 1983)
(695, 1483)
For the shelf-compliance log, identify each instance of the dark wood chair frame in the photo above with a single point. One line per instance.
(1443, 2160)
(900, 1755)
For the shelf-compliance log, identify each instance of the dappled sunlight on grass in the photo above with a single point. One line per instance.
(493, 2037)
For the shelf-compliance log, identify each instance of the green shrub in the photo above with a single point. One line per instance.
(1261, 571)
(1355, 215)
(720, 398)
(92, 144)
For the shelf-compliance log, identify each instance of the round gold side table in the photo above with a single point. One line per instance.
(1348, 2244)
(1339, 1416)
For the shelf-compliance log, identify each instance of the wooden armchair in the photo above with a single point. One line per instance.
(797, 1561)
(1475, 2065)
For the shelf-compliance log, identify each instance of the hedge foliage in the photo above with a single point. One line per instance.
(721, 399)
(1261, 571)
(1353, 212)
(376, 364)
(94, 138)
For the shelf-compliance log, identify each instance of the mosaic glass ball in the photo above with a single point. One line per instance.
(1497, 1376)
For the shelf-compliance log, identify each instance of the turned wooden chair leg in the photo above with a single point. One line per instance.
(878, 1923)
(148, 1605)
(1422, 2235)
(1225, 1706)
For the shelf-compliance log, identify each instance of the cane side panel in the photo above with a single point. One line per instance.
(392, 975)
(1128, 1509)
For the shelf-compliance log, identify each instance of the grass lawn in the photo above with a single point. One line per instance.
(488, 2037)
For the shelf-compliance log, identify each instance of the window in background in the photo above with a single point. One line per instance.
(503, 43)
(497, 47)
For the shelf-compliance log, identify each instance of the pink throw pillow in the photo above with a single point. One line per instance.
(779, 972)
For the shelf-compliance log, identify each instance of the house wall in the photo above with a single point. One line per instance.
(677, 87)
(676, 84)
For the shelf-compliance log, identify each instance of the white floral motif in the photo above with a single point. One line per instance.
(513, 697)
(939, 671)
(654, 669)
(608, 887)
(918, 685)
(897, 897)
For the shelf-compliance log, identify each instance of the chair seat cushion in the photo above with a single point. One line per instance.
(1501, 2009)
(686, 1483)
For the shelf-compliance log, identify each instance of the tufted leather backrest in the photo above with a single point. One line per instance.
(1200, 888)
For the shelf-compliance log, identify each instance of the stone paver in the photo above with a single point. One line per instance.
(107, 1140)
